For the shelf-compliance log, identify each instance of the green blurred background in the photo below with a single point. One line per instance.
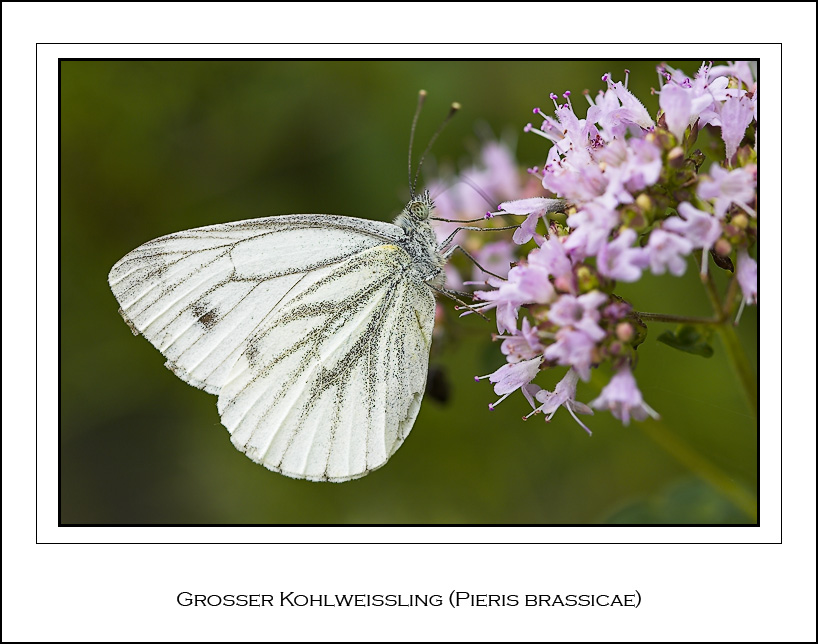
(154, 147)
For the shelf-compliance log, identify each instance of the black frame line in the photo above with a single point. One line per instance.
(59, 61)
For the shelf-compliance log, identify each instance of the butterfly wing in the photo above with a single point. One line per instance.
(198, 295)
(214, 301)
(329, 387)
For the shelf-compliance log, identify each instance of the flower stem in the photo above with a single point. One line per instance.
(680, 319)
(730, 298)
(729, 338)
(712, 292)
(738, 360)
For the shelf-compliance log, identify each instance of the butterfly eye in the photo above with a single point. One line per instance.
(419, 210)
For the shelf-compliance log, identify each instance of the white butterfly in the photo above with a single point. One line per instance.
(313, 330)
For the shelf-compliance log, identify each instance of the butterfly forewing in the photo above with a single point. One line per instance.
(197, 295)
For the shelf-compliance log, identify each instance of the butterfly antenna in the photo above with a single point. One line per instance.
(452, 111)
(421, 99)
(491, 202)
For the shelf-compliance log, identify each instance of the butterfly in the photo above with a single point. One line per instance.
(314, 331)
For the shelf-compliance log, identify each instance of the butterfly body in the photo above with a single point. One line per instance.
(313, 330)
(420, 240)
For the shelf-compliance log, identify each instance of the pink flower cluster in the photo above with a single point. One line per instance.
(634, 200)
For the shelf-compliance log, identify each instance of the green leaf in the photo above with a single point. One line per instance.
(690, 339)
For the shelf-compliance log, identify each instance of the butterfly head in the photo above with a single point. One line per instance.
(419, 207)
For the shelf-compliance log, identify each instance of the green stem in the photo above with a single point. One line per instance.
(667, 439)
(712, 292)
(730, 298)
(729, 338)
(703, 468)
(738, 360)
(679, 319)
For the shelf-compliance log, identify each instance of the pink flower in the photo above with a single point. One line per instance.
(623, 399)
(644, 165)
(577, 180)
(666, 251)
(511, 377)
(685, 101)
(501, 177)
(739, 69)
(593, 225)
(629, 167)
(567, 131)
(700, 228)
(523, 344)
(573, 349)
(526, 284)
(564, 395)
(727, 188)
(619, 261)
(535, 208)
(677, 102)
(632, 110)
(506, 300)
(554, 259)
(736, 114)
(579, 312)
(747, 276)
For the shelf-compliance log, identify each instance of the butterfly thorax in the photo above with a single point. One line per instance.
(420, 241)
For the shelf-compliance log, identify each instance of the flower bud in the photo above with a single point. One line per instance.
(624, 331)
(723, 247)
(644, 202)
(564, 283)
(740, 221)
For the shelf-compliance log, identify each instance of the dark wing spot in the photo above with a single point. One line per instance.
(207, 317)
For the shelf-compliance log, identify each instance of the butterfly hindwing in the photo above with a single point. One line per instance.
(331, 385)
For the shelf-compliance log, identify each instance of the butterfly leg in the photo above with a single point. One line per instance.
(449, 239)
(452, 295)
(450, 252)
